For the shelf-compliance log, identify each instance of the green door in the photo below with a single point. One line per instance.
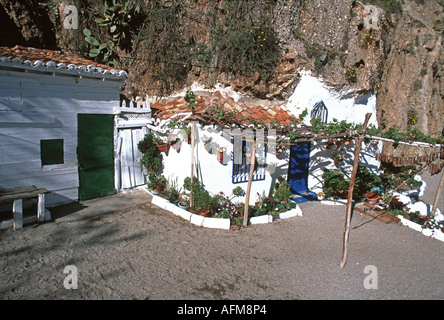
(95, 153)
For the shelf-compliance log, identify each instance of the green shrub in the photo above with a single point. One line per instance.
(335, 185)
(282, 192)
(247, 47)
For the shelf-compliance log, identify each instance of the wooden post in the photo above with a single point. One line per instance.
(250, 180)
(17, 213)
(358, 143)
(438, 193)
(193, 128)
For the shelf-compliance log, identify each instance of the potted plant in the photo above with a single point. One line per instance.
(279, 150)
(151, 159)
(188, 132)
(339, 158)
(202, 200)
(174, 142)
(152, 179)
(162, 144)
(282, 192)
(160, 184)
(207, 143)
(172, 192)
(187, 183)
(183, 204)
(220, 154)
(372, 198)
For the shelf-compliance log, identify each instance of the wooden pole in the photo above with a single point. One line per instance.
(438, 193)
(250, 180)
(193, 128)
(358, 143)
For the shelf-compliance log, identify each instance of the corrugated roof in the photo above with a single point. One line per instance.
(55, 61)
(245, 111)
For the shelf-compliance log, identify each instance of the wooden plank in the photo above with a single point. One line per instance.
(10, 95)
(125, 161)
(12, 191)
(23, 195)
(138, 166)
(377, 213)
(54, 179)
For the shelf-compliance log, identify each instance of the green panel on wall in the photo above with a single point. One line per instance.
(51, 151)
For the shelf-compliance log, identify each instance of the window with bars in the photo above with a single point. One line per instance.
(241, 161)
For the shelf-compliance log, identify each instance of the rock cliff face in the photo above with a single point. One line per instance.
(392, 48)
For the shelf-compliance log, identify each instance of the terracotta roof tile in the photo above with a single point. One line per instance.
(246, 111)
(46, 56)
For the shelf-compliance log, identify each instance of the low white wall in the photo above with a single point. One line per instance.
(217, 223)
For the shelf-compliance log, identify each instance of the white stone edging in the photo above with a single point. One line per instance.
(433, 233)
(335, 202)
(217, 223)
(268, 218)
(198, 220)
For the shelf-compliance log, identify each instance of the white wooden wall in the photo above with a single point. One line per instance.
(43, 106)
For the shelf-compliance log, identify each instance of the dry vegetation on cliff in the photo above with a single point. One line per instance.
(258, 47)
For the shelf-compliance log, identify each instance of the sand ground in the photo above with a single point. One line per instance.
(126, 248)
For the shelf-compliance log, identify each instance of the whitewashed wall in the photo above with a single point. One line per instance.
(37, 106)
(216, 177)
(344, 105)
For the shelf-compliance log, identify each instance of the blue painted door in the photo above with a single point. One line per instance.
(298, 167)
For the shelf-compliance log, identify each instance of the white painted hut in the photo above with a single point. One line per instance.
(300, 164)
(58, 124)
(221, 175)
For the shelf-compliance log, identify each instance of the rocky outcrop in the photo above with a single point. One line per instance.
(354, 46)
(411, 82)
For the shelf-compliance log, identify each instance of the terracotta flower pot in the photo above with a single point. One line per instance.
(160, 186)
(204, 213)
(372, 198)
(163, 147)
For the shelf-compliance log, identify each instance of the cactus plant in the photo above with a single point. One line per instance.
(117, 18)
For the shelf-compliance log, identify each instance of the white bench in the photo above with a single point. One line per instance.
(16, 196)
